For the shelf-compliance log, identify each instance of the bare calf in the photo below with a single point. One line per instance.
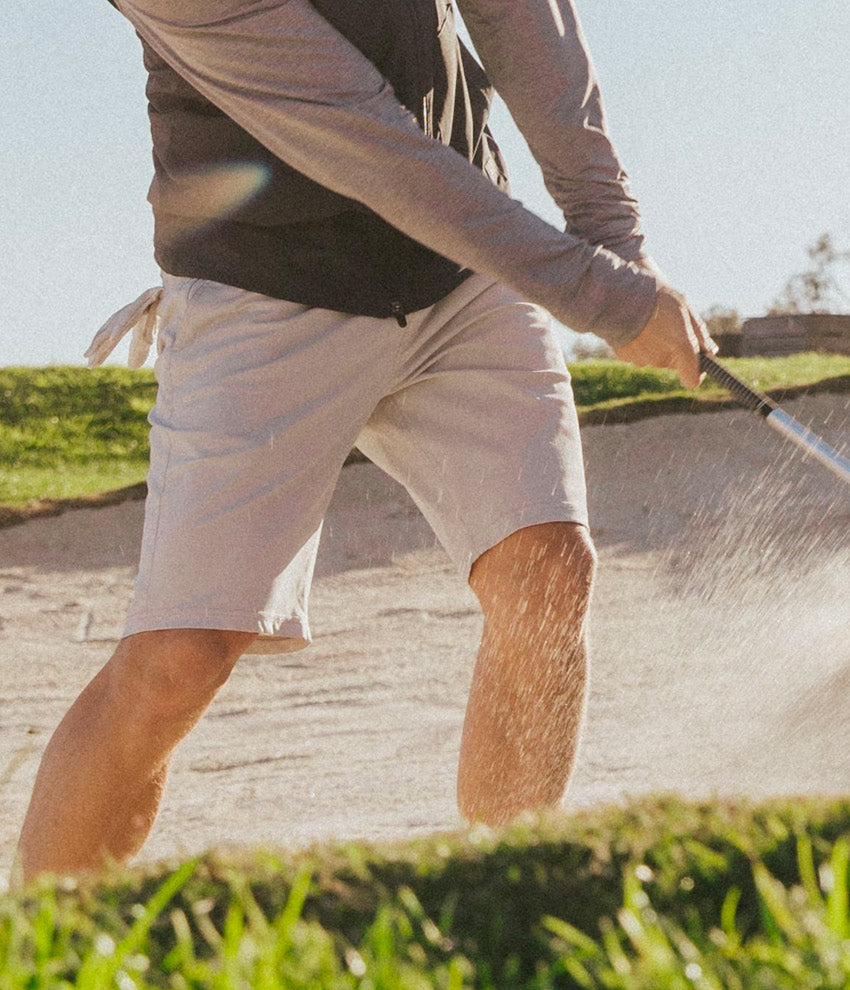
(101, 778)
(527, 700)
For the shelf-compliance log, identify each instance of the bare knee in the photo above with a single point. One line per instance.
(172, 671)
(546, 569)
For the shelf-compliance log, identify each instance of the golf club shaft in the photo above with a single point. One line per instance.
(776, 417)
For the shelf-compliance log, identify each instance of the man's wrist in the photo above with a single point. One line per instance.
(627, 304)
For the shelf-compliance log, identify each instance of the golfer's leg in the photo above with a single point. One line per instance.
(482, 430)
(528, 691)
(101, 778)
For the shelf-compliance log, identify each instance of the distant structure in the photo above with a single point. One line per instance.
(773, 336)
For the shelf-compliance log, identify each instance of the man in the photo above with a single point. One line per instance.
(342, 262)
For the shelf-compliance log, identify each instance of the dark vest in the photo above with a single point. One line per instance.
(292, 238)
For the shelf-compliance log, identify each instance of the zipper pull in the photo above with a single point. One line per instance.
(398, 313)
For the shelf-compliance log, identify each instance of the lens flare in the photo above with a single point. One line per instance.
(202, 196)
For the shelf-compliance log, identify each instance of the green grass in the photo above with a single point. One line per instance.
(603, 384)
(659, 895)
(67, 431)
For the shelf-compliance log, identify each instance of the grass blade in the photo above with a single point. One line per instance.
(837, 899)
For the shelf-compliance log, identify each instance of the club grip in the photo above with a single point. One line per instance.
(747, 396)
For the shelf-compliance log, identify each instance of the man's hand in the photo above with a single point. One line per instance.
(672, 338)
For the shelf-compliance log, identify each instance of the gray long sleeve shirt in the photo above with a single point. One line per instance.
(285, 75)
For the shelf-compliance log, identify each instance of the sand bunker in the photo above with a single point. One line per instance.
(721, 646)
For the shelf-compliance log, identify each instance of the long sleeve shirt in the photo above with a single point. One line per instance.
(290, 79)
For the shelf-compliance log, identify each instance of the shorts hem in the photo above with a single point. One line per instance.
(530, 515)
(275, 633)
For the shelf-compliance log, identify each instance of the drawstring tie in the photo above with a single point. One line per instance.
(140, 317)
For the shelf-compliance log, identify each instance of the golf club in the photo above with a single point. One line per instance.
(776, 417)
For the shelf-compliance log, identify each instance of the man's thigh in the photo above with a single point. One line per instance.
(482, 427)
(259, 402)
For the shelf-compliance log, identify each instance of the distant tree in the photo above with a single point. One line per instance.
(819, 289)
(589, 347)
(721, 320)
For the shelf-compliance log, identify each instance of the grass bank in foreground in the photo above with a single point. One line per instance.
(660, 895)
(68, 431)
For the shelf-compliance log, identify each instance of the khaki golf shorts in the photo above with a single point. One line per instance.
(260, 401)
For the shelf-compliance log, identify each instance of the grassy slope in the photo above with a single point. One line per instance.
(601, 382)
(68, 431)
(610, 392)
(641, 894)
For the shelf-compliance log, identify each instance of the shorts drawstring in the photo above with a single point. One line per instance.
(141, 317)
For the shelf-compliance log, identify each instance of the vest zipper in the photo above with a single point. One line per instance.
(426, 75)
(426, 79)
(398, 313)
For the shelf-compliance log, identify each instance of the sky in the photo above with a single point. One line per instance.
(731, 118)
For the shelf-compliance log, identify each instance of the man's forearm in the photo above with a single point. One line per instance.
(288, 77)
(535, 54)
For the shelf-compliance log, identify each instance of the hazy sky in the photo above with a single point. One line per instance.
(732, 118)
